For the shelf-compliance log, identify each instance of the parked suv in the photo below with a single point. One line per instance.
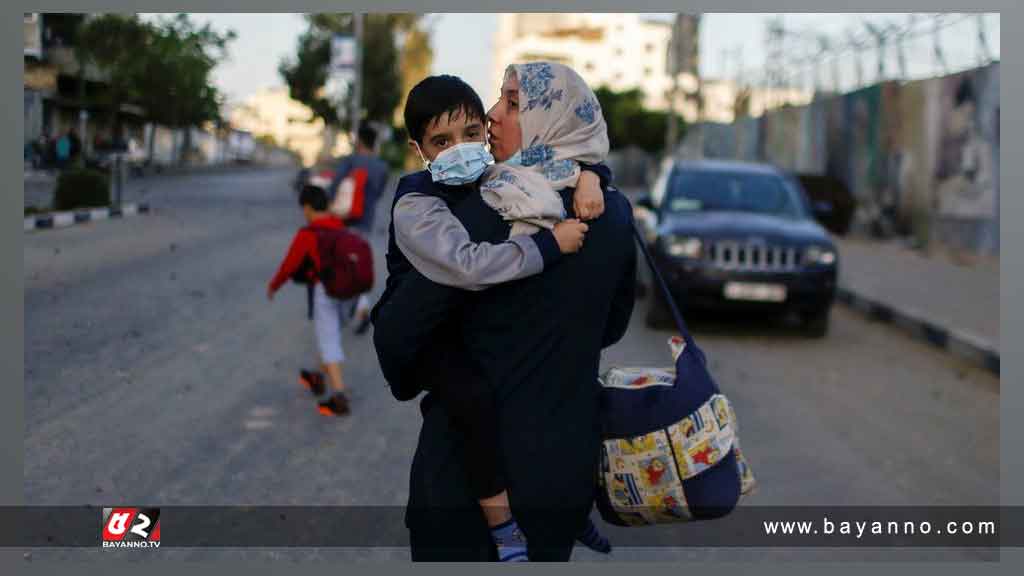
(739, 235)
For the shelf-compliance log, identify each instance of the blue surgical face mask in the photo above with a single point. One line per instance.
(460, 164)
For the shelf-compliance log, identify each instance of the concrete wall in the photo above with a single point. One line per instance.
(921, 158)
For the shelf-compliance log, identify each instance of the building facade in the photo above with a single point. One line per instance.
(623, 52)
(619, 51)
(272, 112)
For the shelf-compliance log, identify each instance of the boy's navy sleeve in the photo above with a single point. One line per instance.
(406, 325)
(548, 246)
(604, 173)
(625, 292)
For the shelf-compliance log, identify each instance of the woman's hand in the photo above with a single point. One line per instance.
(569, 235)
(588, 201)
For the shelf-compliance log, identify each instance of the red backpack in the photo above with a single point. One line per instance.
(346, 262)
(350, 198)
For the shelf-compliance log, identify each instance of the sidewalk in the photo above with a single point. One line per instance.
(951, 305)
(41, 185)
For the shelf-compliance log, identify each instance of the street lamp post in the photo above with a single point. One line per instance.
(357, 88)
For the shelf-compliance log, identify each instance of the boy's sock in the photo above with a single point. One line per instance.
(591, 538)
(510, 542)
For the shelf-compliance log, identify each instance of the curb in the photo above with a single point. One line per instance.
(65, 219)
(959, 343)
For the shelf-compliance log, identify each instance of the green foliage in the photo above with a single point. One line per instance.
(165, 66)
(179, 90)
(306, 75)
(382, 89)
(393, 151)
(113, 42)
(630, 124)
(80, 188)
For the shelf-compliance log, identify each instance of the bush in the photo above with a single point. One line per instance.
(81, 188)
(393, 151)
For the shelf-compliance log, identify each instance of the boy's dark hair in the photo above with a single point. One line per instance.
(367, 136)
(437, 95)
(314, 197)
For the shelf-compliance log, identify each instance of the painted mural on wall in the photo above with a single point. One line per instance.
(782, 134)
(917, 156)
(837, 158)
(861, 109)
(965, 176)
(748, 135)
(911, 144)
(719, 141)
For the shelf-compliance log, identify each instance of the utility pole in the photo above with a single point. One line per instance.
(881, 37)
(984, 54)
(940, 57)
(775, 50)
(858, 46)
(357, 87)
(738, 53)
(901, 36)
(683, 59)
(674, 66)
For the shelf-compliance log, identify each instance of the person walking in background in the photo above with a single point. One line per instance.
(304, 263)
(63, 151)
(363, 166)
(75, 142)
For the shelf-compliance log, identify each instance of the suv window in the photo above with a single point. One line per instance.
(723, 191)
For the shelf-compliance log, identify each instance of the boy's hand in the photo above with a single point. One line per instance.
(270, 293)
(569, 235)
(588, 201)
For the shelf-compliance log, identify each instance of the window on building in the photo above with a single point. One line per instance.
(589, 66)
(618, 51)
(649, 48)
(648, 71)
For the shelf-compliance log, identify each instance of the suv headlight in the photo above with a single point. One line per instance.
(818, 255)
(683, 246)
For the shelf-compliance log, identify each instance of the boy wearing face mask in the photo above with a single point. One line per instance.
(445, 119)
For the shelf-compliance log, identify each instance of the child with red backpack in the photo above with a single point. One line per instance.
(336, 265)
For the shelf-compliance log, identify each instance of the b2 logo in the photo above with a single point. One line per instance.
(131, 527)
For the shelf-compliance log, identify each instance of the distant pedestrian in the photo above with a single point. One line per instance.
(76, 144)
(371, 173)
(63, 150)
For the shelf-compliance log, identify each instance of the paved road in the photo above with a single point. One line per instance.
(157, 372)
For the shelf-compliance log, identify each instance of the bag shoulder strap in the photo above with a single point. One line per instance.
(669, 301)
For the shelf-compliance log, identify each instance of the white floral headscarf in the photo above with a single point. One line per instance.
(562, 125)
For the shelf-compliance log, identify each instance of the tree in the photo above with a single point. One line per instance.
(178, 90)
(382, 90)
(630, 124)
(113, 43)
(416, 55)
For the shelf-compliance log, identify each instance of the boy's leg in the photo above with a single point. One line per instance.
(334, 375)
(362, 314)
(470, 408)
(327, 323)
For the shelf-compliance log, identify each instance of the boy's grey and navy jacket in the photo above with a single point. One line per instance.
(536, 344)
